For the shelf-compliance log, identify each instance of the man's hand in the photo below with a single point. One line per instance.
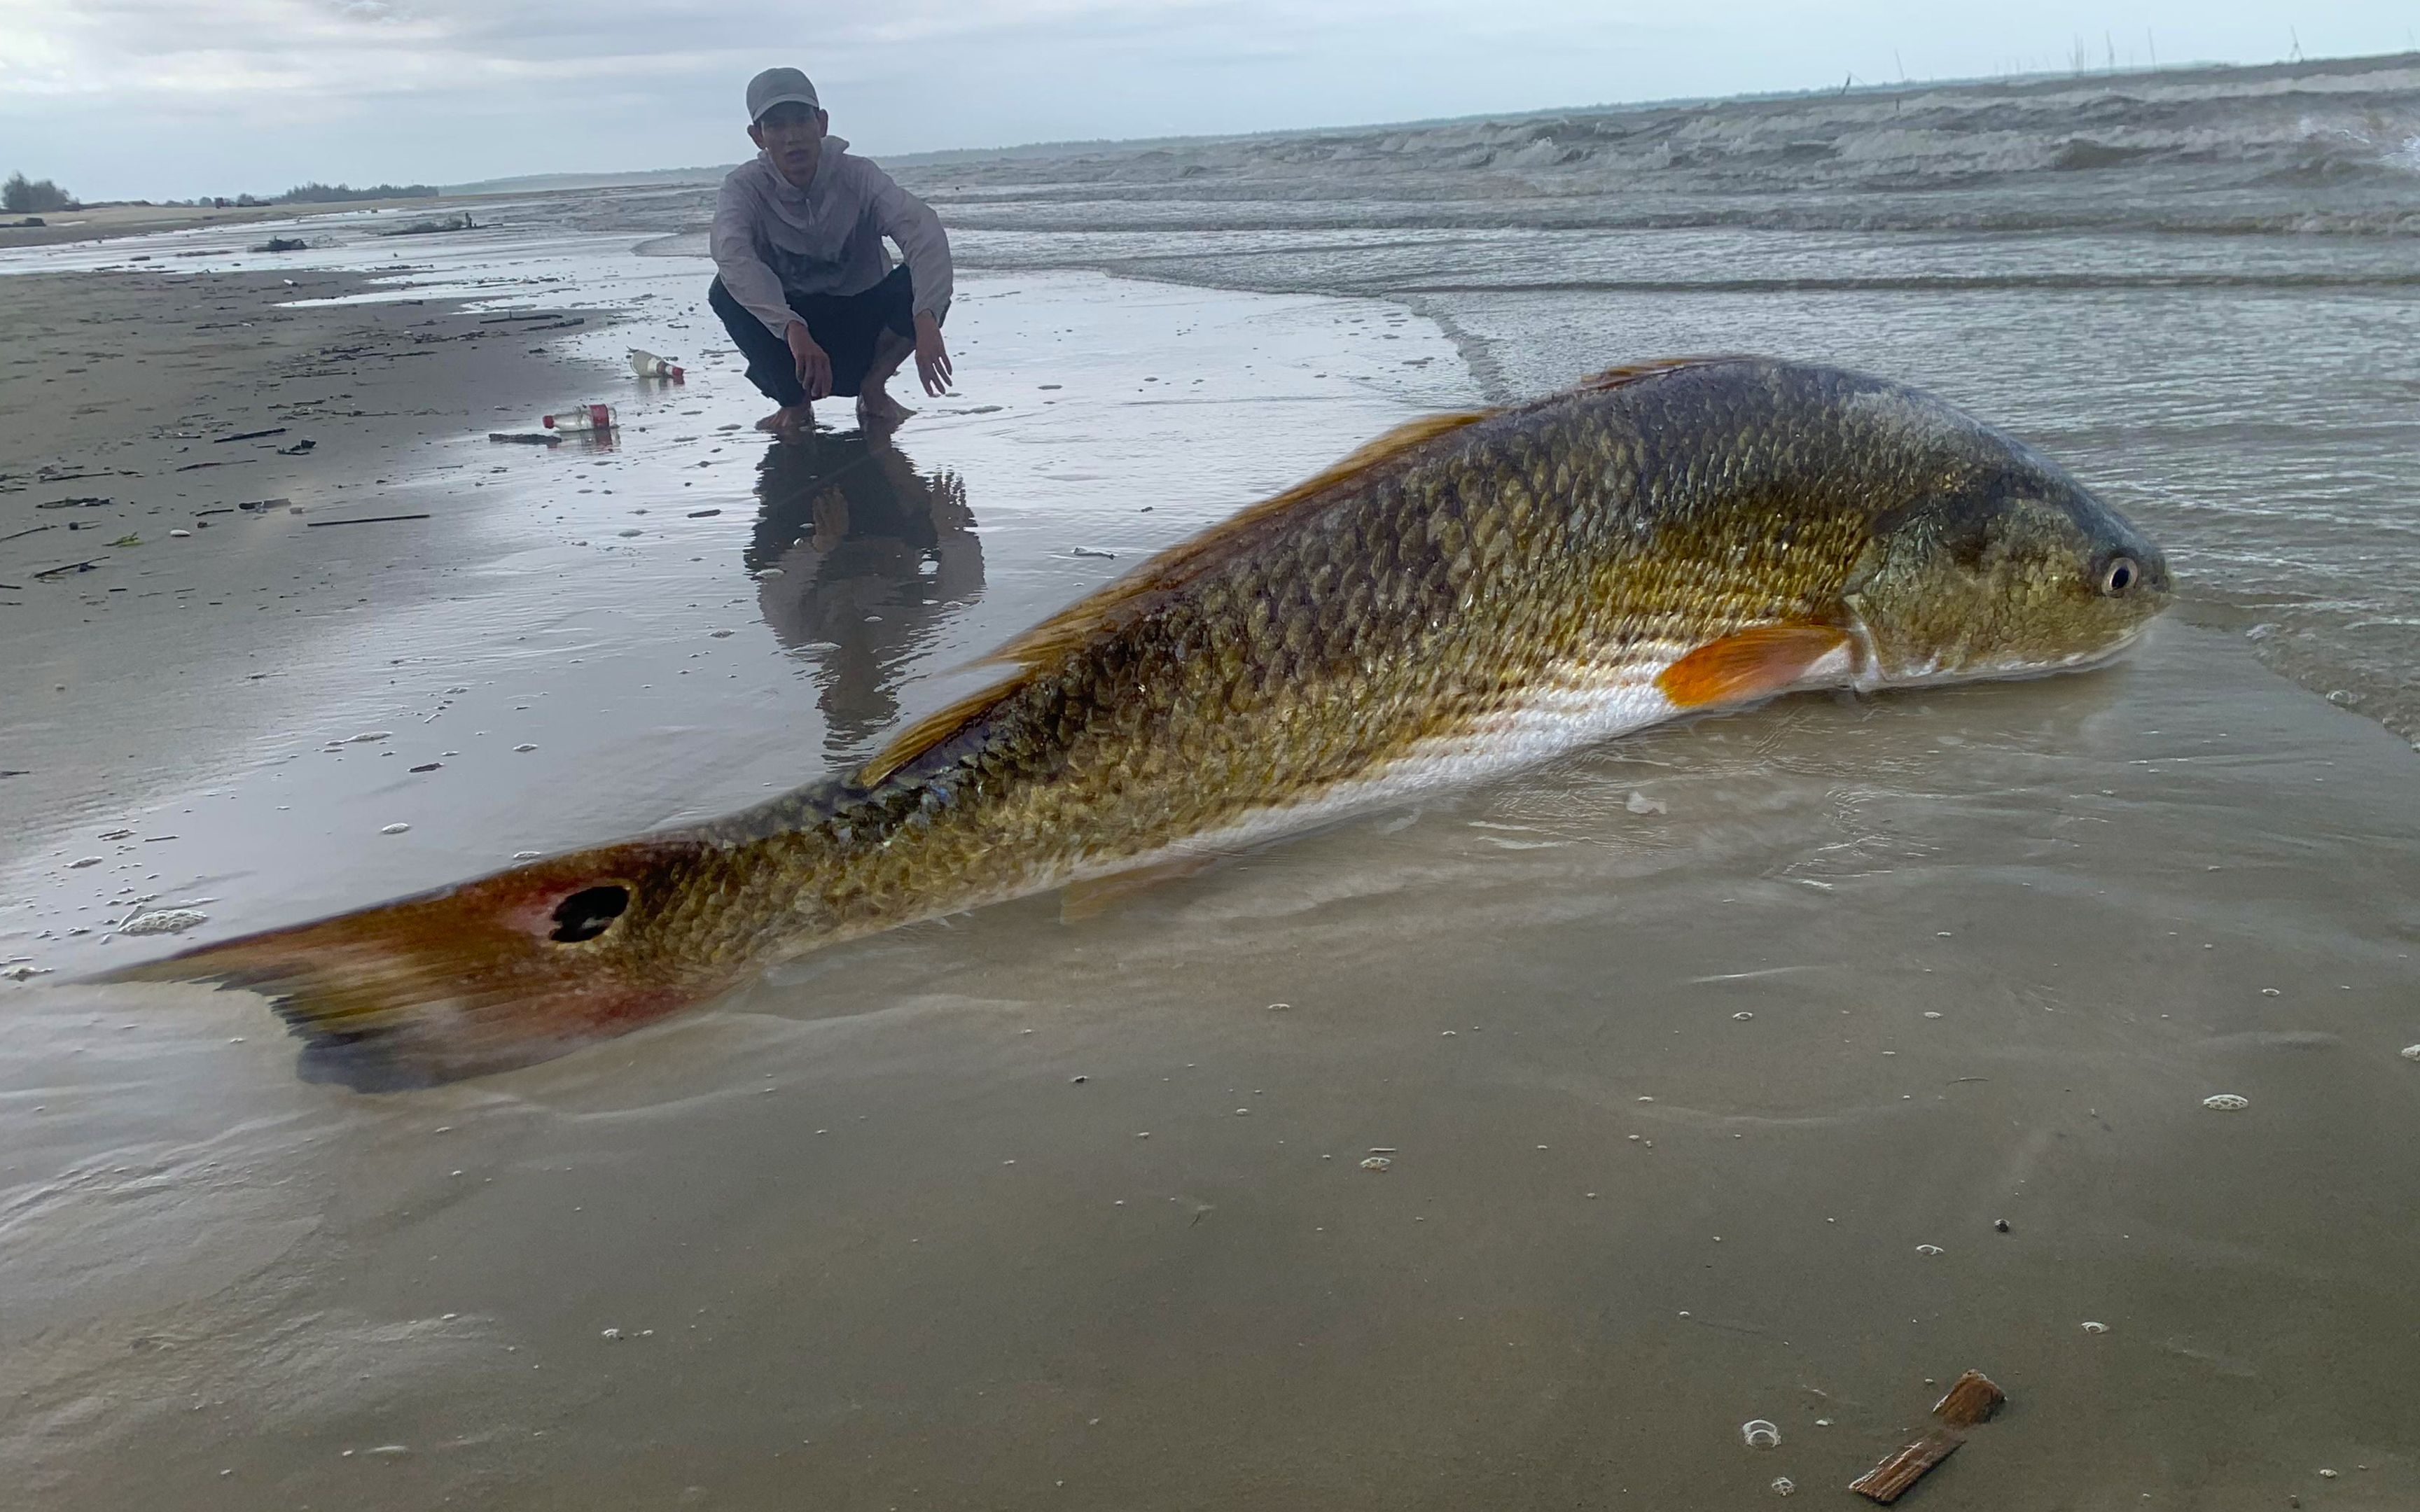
(814, 363)
(932, 357)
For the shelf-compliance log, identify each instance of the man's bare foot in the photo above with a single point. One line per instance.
(877, 409)
(789, 421)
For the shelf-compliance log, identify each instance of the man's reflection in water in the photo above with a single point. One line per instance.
(874, 558)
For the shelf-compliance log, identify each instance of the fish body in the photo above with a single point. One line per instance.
(1469, 596)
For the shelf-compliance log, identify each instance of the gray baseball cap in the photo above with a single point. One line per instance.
(779, 86)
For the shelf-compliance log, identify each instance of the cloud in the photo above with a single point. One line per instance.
(176, 96)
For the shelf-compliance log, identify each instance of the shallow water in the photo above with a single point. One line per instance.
(1002, 1212)
(2200, 288)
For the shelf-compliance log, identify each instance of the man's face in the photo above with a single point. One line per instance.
(793, 137)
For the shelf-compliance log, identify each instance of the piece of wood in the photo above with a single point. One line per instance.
(1886, 1482)
(1972, 1398)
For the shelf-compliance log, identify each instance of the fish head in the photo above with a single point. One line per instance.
(2007, 570)
(503, 971)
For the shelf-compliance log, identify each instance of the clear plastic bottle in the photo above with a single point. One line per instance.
(587, 417)
(648, 365)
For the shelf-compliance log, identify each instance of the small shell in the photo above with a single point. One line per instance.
(2412, 1051)
(2225, 1103)
(1376, 1163)
(1783, 1486)
(1758, 1434)
(2091, 1327)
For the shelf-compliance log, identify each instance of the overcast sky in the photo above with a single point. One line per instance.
(163, 99)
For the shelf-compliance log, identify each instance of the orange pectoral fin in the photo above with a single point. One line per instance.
(1752, 664)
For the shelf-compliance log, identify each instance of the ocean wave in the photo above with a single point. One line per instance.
(2391, 142)
(2340, 125)
(1930, 284)
(1760, 215)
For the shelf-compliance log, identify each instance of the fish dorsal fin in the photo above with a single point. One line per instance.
(1078, 623)
(932, 730)
(1629, 373)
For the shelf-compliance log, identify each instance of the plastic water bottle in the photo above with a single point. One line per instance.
(648, 365)
(587, 417)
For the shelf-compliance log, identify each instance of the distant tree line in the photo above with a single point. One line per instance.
(32, 196)
(314, 194)
(318, 194)
(20, 195)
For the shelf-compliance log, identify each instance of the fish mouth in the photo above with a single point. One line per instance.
(1873, 676)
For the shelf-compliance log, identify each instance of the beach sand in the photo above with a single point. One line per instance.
(105, 223)
(128, 407)
(1688, 1053)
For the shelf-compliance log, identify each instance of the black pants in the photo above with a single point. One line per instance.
(846, 326)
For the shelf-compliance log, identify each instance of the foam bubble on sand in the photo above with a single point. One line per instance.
(163, 921)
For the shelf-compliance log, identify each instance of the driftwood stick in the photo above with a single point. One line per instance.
(1886, 1482)
(1972, 1399)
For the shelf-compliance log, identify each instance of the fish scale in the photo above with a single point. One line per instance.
(1466, 596)
(1478, 619)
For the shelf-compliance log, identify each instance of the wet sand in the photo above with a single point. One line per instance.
(107, 222)
(212, 405)
(1003, 1212)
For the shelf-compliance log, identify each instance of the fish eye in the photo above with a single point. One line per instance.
(2119, 575)
(589, 912)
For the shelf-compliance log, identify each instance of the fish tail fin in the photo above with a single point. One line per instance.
(509, 969)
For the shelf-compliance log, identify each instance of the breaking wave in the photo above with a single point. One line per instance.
(2307, 150)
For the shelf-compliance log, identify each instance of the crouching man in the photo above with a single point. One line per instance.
(803, 283)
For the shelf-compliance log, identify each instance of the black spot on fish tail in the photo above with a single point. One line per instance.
(358, 1062)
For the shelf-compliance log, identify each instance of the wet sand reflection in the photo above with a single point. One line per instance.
(874, 558)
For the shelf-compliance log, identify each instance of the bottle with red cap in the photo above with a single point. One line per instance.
(587, 417)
